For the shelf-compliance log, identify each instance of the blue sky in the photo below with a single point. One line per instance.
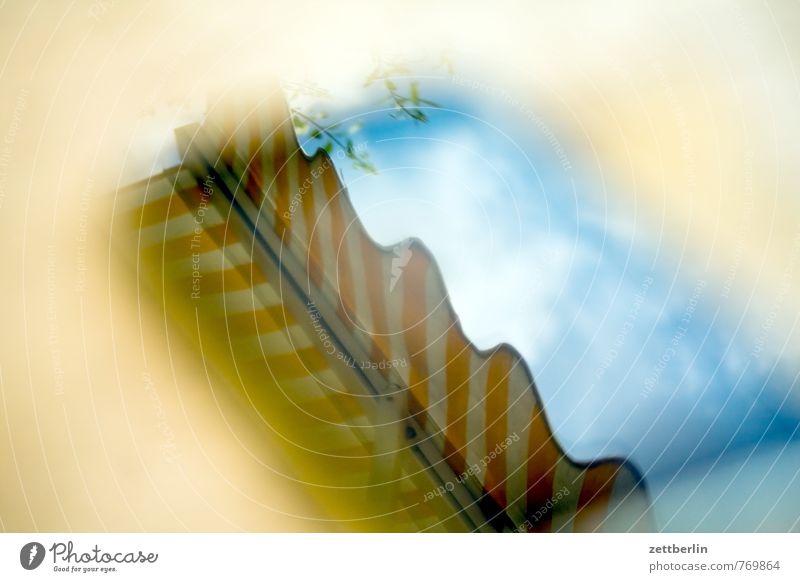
(634, 349)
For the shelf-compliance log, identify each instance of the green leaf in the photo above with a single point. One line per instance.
(414, 93)
(299, 124)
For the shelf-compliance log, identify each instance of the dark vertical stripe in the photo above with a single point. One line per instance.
(229, 123)
(314, 258)
(344, 274)
(457, 367)
(595, 494)
(376, 293)
(496, 430)
(254, 181)
(415, 310)
(282, 196)
(543, 457)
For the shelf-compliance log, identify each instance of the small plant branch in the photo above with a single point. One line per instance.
(410, 106)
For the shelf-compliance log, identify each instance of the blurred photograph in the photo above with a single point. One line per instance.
(398, 267)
